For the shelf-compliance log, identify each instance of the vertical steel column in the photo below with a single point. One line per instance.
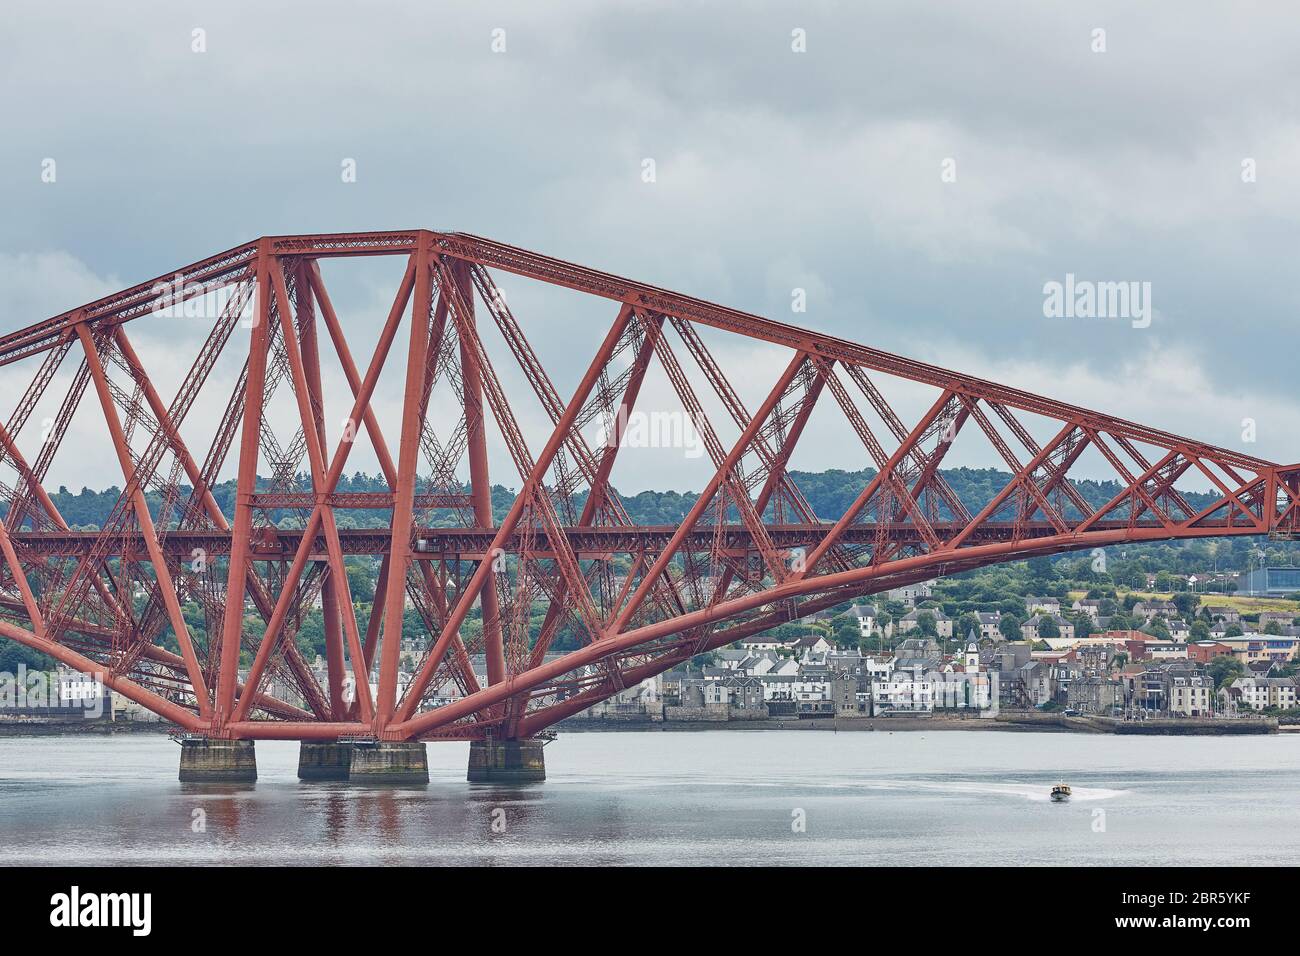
(246, 486)
(408, 457)
(480, 483)
(310, 347)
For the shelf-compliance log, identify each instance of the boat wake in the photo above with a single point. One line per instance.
(1037, 792)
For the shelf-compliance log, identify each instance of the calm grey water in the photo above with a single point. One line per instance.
(716, 797)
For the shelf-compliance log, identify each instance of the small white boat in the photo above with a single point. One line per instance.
(1060, 793)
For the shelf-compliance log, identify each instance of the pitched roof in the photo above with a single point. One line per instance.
(936, 613)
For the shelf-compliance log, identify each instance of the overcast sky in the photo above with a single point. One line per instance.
(774, 170)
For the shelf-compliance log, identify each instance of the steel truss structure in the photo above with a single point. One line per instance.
(750, 554)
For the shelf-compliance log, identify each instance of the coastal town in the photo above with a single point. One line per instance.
(1181, 658)
(1053, 659)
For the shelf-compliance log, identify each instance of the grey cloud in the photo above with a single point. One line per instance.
(776, 169)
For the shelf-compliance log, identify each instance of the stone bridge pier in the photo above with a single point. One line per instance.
(213, 760)
(363, 760)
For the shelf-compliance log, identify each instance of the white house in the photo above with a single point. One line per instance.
(868, 619)
(1190, 696)
(1260, 692)
(776, 666)
(811, 689)
(760, 642)
(954, 690)
(878, 669)
(810, 644)
(904, 692)
(911, 593)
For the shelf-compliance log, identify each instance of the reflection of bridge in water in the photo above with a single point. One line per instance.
(750, 554)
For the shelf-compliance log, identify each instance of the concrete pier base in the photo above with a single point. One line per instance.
(388, 762)
(204, 760)
(328, 760)
(506, 761)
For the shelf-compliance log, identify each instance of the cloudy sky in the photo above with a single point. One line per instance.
(828, 170)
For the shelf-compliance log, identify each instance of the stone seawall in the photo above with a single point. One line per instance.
(1154, 726)
(701, 720)
(41, 727)
(1036, 720)
(1190, 726)
(697, 714)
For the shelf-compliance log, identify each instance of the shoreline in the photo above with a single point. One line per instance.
(1014, 722)
(825, 724)
(1005, 722)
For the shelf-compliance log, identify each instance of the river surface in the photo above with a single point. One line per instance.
(712, 797)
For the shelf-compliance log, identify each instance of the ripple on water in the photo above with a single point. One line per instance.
(710, 797)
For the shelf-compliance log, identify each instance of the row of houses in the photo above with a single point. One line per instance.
(1126, 672)
(1149, 610)
(1258, 652)
(1175, 690)
(1042, 610)
(826, 682)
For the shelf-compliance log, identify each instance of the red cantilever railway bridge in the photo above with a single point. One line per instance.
(642, 597)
